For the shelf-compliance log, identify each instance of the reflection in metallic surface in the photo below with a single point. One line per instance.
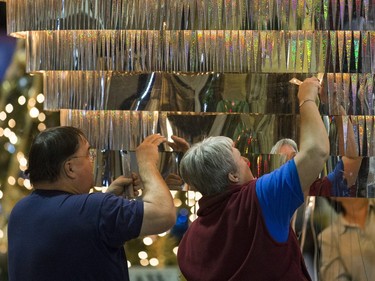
(124, 130)
(254, 133)
(266, 93)
(110, 164)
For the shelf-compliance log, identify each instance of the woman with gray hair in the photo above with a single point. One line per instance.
(207, 158)
(243, 222)
(287, 145)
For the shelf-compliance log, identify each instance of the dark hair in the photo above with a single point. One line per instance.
(49, 150)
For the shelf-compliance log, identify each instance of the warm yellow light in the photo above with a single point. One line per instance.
(41, 127)
(40, 98)
(21, 100)
(3, 116)
(174, 193)
(147, 241)
(144, 262)
(11, 180)
(13, 138)
(23, 161)
(191, 194)
(12, 123)
(192, 217)
(20, 181)
(162, 234)
(7, 132)
(42, 117)
(23, 168)
(31, 102)
(154, 262)
(100, 188)
(190, 202)
(20, 155)
(175, 250)
(9, 108)
(198, 196)
(177, 202)
(3, 248)
(142, 255)
(27, 184)
(34, 112)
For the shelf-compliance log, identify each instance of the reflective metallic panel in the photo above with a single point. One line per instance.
(112, 163)
(266, 93)
(254, 133)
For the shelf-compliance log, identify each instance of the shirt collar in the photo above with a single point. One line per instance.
(344, 225)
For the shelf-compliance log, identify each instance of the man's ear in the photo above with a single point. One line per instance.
(69, 169)
(233, 177)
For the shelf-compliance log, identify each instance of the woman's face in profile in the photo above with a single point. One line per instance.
(288, 151)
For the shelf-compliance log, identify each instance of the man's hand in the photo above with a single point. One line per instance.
(159, 210)
(122, 184)
(147, 152)
(174, 180)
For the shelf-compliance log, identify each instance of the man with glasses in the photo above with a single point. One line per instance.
(61, 232)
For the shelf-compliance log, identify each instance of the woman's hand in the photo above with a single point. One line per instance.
(179, 144)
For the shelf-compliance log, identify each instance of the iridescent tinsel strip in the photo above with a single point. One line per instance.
(201, 51)
(26, 15)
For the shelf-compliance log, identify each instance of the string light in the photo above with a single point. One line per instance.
(42, 127)
(9, 108)
(40, 98)
(12, 123)
(154, 262)
(21, 100)
(11, 180)
(11, 132)
(34, 112)
(3, 116)
(144, 262)
(142, 255)
(147, 241)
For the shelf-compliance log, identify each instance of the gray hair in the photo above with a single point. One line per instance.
(276, 148)
(206, 165)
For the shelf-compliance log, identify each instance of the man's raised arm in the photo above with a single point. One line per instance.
(314, 143)
(159, 211)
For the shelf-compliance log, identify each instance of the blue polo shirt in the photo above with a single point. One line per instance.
(54, 235)
(279, 194)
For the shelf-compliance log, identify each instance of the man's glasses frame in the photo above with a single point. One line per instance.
(91, 155)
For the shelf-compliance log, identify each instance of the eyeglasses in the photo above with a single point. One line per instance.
(91, 155)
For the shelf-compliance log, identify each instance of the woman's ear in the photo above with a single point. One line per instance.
(69, 169)
(233, 177)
